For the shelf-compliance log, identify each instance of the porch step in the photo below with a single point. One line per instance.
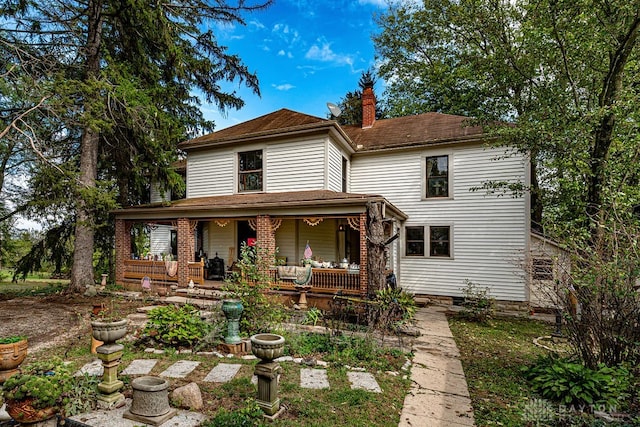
(201, 293)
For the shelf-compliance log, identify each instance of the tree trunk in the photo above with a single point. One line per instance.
(82, 270)
(375, 248)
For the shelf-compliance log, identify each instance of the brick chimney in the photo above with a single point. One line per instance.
(368, 106)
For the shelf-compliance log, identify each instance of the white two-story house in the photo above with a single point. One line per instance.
(287, 180)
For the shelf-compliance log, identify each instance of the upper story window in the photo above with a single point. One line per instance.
(437, 176)
(250, 171)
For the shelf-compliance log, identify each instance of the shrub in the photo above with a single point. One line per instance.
(391, 308)
(572, 383)
(251, 285)
(11, 340)
(176, 326)
(477, 306)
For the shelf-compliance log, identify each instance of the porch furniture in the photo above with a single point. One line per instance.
(216, 269)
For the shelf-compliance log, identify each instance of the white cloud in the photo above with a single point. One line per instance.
(257, 24)
(378, 3)
(284, 87)
(324, 53)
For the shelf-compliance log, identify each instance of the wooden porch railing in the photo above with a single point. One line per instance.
(157, 270)
(325, 280)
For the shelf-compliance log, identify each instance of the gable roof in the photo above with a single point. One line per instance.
(278, 122)
(412, 130)
(398, 132)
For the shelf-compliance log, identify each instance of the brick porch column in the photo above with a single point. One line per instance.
(123, 247)
(364, 258)
(186, 248)
(265, 235)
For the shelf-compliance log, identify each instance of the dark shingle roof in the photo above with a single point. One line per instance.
(412, 130)
(280, 121)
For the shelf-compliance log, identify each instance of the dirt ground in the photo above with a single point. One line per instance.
(48, 321)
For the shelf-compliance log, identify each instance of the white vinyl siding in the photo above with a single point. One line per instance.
(295, 166)
(335, 169)
(322, 240)
(160, 240)
(210, 173)
(286, 241)
(220, 239)
(488, 232)
(157, 195)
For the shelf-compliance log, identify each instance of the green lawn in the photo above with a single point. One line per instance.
(492, 357)
(36, 282)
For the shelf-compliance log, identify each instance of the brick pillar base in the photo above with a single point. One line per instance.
(123, 246)
(364, 259)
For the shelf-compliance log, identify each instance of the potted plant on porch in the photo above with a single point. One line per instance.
(37, 393)
(13, 351)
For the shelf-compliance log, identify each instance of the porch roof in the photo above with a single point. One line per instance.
(314, 202)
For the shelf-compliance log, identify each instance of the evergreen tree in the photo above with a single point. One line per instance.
(120, 96)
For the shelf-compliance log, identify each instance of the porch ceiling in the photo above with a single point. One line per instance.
(317, 202)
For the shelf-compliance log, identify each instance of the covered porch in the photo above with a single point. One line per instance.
(199, 240)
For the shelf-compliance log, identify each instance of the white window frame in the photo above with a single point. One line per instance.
(450, 174)
(427, 241)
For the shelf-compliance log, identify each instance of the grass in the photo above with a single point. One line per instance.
(37, 283)
(228, 402)
(493, 354)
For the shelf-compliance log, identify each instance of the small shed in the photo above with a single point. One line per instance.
(549, 270)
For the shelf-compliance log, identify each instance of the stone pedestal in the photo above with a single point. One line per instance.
(302, 300)
(109, 388)
(268, 347)
(232, 309)
(267, 373)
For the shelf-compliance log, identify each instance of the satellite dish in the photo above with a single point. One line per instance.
(335, 110)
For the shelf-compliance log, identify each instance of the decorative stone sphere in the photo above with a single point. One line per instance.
(109, 331)
(267, 346)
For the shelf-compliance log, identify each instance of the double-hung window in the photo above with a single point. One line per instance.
(250, 171)
(437, 176)
(434, 241)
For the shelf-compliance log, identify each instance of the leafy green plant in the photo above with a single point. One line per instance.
(312, 316)
(477, 305)
(46, 382)
(82, 395)
(176, 326)
(572, 383)
(251, 285)
(249, 415)
(391, 308)
(12, 340)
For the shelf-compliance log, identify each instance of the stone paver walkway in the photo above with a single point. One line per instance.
(439, 396)
(312, 378)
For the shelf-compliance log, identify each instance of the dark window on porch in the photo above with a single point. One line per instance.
(174, 243)
(250, 171)
(415, 241)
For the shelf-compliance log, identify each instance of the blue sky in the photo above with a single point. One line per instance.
(306, 53)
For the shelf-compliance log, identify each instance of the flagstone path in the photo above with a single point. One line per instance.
(312, 378)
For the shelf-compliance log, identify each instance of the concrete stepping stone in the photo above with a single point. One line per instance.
(140, 367)
(94, 368)
(313, 378)
(363, 381)
(180, 369)
(223, 373)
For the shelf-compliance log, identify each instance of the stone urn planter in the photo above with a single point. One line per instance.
(12, 354)
(109, 331)
(150, 401)
(267, 346)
